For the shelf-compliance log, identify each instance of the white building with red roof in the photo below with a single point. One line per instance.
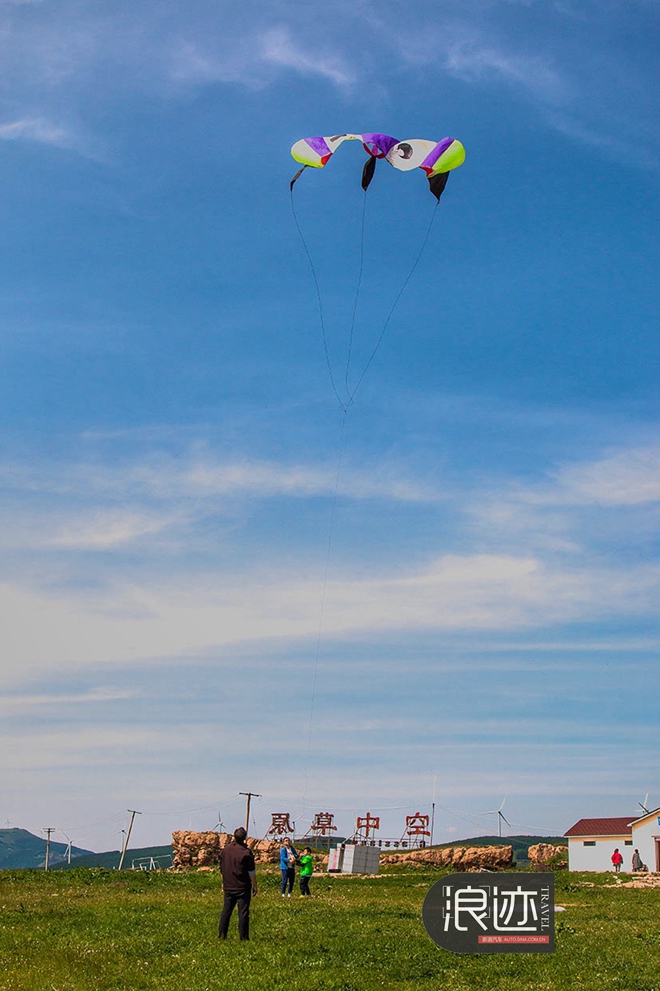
(591, 842)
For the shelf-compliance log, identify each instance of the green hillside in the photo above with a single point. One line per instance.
(139, 857)
(20, 848)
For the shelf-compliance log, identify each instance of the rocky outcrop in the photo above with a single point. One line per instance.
(461, 858)
(547, 855)
(197, 849)
(265, 851)
(641, 881)
(192, 851)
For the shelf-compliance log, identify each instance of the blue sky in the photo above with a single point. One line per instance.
(170, 437)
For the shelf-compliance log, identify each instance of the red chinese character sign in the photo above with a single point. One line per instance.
(366, 825)
(417, 825)
(280, 824)
(323, 824)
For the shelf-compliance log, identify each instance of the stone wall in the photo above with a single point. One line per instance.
(460, 858)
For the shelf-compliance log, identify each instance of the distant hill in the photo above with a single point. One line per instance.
(520, 844)
(20, 848)
(161, 855)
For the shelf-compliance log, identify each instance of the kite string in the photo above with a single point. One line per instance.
(345, 408)
(394, 306)
(317, 651)
(341, 402)
(357, 297)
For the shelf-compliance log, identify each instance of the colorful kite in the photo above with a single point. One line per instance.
(435, 158)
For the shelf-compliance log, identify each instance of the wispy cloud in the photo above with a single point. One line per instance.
(11, 702)
(278, 48)
(99, 745)
(475, 60)
(138, 623)
(585, 508)
(193, 476)
(258, 59)
(52, 61)
(106, 530)
(565, 60)
(625, 478)
(529, 558)
(163, 502)
(37, 129)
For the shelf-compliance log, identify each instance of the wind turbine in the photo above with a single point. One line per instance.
(67, 852)
(644, 805)
(500, 816)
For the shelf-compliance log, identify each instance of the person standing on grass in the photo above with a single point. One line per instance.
(239, 883)
(288, 857)
(617, 860)
(306, 871)
(637, 864)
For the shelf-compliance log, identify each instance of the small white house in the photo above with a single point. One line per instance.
(353, 858)
(646, 837)
(591, 842)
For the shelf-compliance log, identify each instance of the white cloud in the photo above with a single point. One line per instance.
(190, 63)
(191, 477)
(9, 703)
(527, 560)
(569, 511)
(278, 48)
(473, 59)
(459, 593)
(36, 129)
(264, 479)
(627, 478)
(94, 745)
(53, 59)
(105, 530)
(256, 59)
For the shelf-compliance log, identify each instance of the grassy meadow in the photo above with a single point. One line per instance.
(96, 930)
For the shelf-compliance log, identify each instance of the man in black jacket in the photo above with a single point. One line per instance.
(239, 883)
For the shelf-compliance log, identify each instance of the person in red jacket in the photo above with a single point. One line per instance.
(617, 860)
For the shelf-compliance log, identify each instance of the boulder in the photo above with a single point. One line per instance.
(197, 849)
(460, 858)
(546, 854)
(265, 851)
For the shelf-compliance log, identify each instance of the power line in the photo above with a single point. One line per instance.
(250, 795)
(200, 808)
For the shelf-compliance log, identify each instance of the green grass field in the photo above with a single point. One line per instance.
(92, 930)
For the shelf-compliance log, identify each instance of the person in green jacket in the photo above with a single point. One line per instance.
(306, 871)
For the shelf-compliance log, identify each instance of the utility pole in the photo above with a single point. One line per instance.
(249, 795)
(48, 831)
(435, 781)
(128, 836)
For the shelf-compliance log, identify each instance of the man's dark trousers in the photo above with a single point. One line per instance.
(242, 899)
